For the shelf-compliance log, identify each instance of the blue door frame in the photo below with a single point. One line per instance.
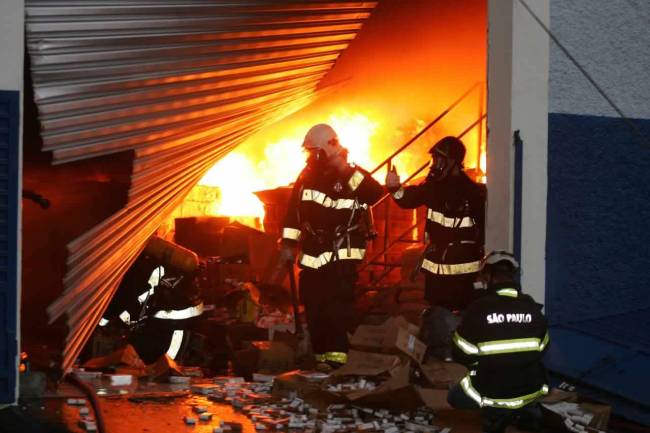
(9, 211)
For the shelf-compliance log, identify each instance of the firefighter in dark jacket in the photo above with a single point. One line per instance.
(454, 236)
(327, 218)
(454, 227)
(502, 339)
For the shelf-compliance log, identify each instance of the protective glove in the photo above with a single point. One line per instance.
(392, 180)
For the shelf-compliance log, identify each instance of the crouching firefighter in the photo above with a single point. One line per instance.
(501, 339)
(328, 221)
(159, 298)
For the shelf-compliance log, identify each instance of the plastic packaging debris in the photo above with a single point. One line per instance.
(253, 399)
(180, 379)
(205, 416)
(88, 425)
(199, 409)
(87, 376)
(120, 379)
(266, 378)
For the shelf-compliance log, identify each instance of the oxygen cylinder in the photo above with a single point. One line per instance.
(171, 254)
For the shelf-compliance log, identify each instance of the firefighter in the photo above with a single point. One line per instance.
(328, 219)
(454, 236)
(502, 339)
(158, 299)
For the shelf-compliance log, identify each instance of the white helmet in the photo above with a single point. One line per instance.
(319, 136)
(497, 256)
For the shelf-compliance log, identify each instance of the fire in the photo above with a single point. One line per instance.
(236, 177)
(242, 172)
(249, 168)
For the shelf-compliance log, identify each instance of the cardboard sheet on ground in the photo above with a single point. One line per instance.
(394, 390)
(591, 415)
(303, 385)
(442, 374)
(367, 364)
(395, 334)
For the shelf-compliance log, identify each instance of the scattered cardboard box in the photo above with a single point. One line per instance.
(395, 334)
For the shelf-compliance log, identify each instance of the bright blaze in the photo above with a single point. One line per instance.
(256, 166)
(240, 173)
(235, 176)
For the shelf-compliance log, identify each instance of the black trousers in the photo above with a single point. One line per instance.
(328, 296)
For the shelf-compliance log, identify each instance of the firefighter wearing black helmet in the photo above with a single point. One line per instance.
(327, 220)
(454, 227)
(502, 339)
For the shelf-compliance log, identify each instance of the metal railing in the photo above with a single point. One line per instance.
(388, 244)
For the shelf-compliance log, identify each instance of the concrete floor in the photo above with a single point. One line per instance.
(127, 410)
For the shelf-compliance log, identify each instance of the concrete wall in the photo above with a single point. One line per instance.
(598, 164)
(611, 40)
(598, 211)
(11, 79)
(517, 101)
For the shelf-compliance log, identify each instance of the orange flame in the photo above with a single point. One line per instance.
(239, 174)
(248, 169)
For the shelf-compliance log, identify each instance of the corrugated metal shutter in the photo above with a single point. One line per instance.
(179, 82)
(9, 207)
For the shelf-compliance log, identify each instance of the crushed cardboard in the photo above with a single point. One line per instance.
(395, 334)
(564, 410)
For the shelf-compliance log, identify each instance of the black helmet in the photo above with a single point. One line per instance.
(446, 154)
(450, 148)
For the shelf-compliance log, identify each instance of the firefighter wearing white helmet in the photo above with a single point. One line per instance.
(327, 220)
(502, 339)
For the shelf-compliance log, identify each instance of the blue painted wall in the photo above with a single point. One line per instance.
(598, 256)
(9, 140)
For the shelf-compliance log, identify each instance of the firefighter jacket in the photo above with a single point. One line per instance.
(177, 297)
(454, 225)
(328, 215)
(502, 339)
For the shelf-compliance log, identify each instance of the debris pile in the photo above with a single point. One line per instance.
(267, 414)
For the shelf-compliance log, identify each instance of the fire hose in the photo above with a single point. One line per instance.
(92, 397)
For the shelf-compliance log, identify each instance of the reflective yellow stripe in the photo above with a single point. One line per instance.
(340, 357)
(508, 292)
(510, 346)
(517, 402)
(451, 222)
(398, 194)
(289, 233)
(454, 269)
(544, 342)
(327, 256)
(466, 384)
(125, 317)
(465, 345)
(507, 403)
(186, 313)
(355, 180)
(322, 199)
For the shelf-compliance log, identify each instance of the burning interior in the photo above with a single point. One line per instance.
(186, 125)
